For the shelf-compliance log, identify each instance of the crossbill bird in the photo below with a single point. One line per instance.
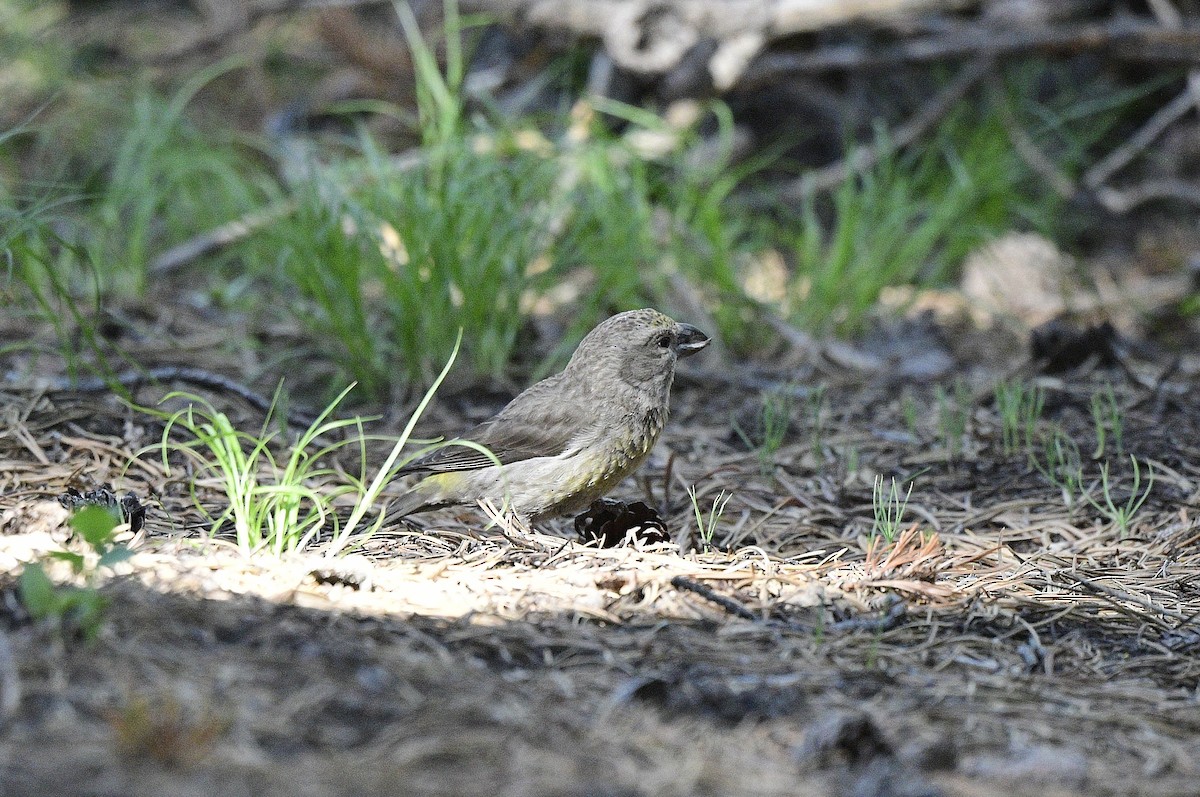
(569, 439)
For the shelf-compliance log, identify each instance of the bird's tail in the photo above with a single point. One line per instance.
(421, 498)
(409, 504)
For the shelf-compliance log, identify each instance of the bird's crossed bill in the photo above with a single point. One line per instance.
(569, 439)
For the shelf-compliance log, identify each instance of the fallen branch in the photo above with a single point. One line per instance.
(1151, 130)
(1123, 38)
(653, 36)
(177, 373)
(842, 354)
(865, 157)
(1028, 151)
(1123, 200)
(728, 604)
(876, 625)
(1114, 594)
(226, 234)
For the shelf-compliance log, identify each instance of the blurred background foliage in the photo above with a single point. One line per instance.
(375, 213)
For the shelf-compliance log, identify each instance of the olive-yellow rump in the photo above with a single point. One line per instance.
(570, 438)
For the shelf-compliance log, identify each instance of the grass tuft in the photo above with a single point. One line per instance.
(1020, 409)
(706, 527)
(284, 496)
(888, 507)
(1121, 515)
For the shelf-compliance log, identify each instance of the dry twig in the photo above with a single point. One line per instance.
(708, 593)
(1122, 38)
(864, 157)
(178, 373)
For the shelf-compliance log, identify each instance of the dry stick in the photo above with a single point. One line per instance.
(228, 233)
(240, 229)
(1112, 592)
(1129, 39)
(1118, 201)
(1123, 200)
(878, 625)
(842, 354)
(1171, 19)
(1115, 160)
(726, 603)
(921, 123)
(1028, 150)
(178, 373)
(1166, 13)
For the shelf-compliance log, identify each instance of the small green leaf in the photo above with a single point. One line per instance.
(114, 556)
(84, 610)
(95, 524)
(37, 592)
(76, 560)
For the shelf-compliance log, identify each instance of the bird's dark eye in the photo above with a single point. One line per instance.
(663, 341)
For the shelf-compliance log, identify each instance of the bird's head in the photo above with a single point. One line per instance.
(641, 347)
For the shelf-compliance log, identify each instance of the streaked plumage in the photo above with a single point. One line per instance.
(570, 438)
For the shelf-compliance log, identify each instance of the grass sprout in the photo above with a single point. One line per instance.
(483, 222)
(1020, 409)
(888, 507)
(1060, 463)
(774, 420)
(1108, 421)
(1121, 515)
(170, 181)
(706, 527)
(369, 494)
(914, 214)
(282, 496)
(852, 459)
(277, 502)
(33, 256)
(953, 413)
(911, 217)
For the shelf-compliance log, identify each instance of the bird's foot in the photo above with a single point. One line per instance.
(511, 526)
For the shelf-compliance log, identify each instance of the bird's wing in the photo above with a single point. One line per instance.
(512, 436)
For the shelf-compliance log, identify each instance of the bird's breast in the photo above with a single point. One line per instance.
(626, 446)
(616, 450)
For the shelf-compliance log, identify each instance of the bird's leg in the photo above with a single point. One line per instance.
(512, 526)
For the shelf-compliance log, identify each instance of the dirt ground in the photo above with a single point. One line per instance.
(1007, 645)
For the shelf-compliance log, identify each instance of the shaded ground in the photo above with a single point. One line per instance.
(1009, 644)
